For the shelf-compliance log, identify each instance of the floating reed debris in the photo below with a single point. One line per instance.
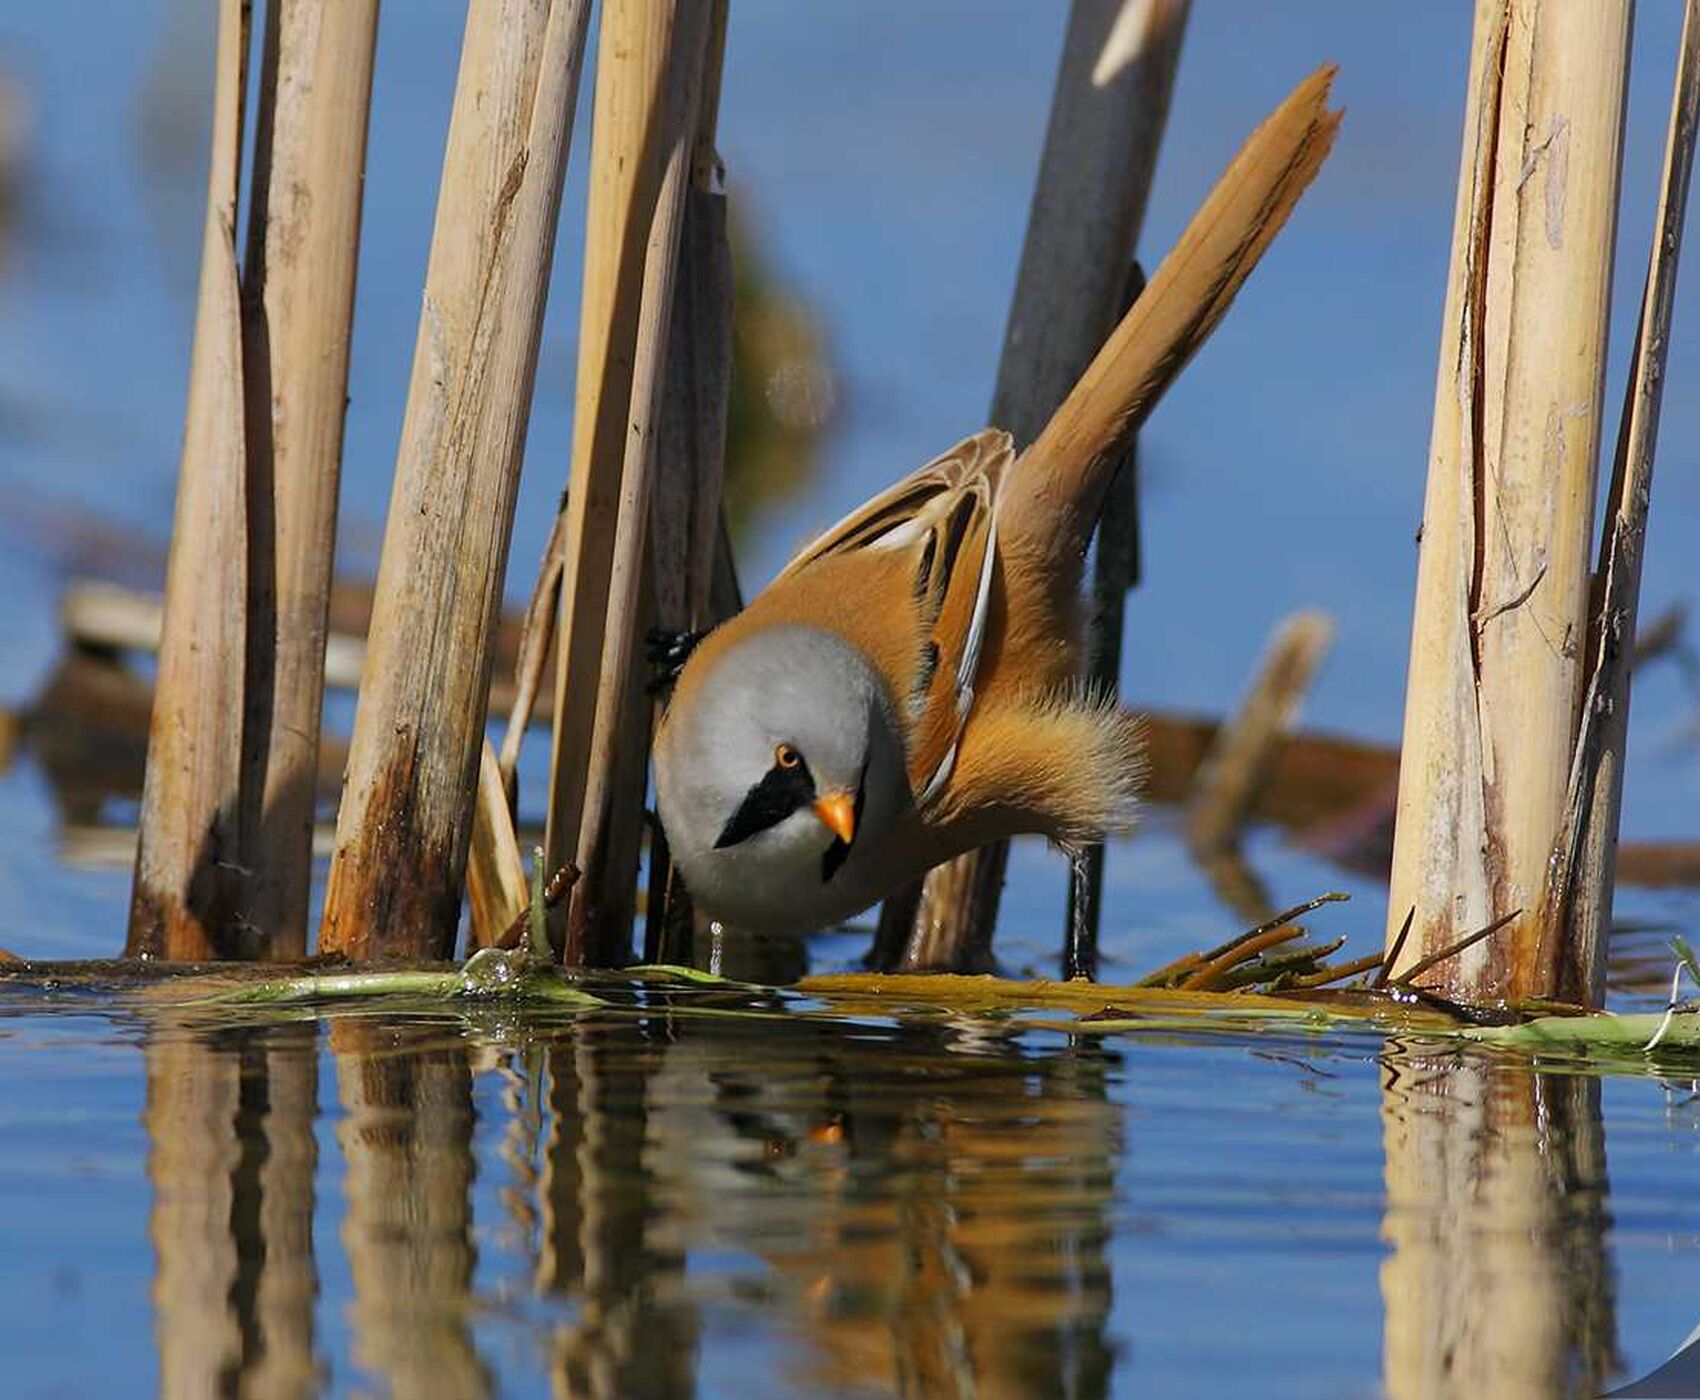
(1502, 585)
(406, 817)
(1240, 949)
(1106, 125)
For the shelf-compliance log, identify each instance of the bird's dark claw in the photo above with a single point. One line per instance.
(667, 651)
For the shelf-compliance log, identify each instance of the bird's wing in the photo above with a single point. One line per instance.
(943, 516)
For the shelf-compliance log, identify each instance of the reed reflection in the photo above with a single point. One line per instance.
(607, 1239)
(1498, 1282)
(406, 1138)
(921, 1213)
(231, 1159)
(932, 1223)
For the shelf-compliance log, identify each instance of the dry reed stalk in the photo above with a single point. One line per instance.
(189, 883)
(685, 510)
(1228, 783)
(685, 518)
(1577, 910)
(537, 636)
(406, 816)
(1107, 119)
(606, 846)
(687, 532)
(495, 871)
(684, 514)
(298, 285)
(630, 150)
(1500, 621)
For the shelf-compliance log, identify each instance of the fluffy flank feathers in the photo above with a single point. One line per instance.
(1069, 764)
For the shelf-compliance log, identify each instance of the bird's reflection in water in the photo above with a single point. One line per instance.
(916, 1212)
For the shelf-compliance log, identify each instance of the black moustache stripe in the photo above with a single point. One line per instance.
(781, 792)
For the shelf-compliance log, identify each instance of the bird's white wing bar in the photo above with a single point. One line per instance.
(901, 515)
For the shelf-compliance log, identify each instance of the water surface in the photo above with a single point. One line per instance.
(654, 1203)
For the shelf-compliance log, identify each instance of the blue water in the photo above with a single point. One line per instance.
(995, 1215)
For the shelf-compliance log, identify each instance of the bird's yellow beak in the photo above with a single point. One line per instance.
(838, 811)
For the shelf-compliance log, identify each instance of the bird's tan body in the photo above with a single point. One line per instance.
(959, 586)
(1034, 754)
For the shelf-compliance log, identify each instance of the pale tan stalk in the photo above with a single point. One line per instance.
(1229, 781)
(1577, 911)
(1500, 624)
(406, 817)
(1107, 119)
(189, 887)
(298, 286)
(672, 132)
(628, 156)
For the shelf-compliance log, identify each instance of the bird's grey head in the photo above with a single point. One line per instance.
(765, 774)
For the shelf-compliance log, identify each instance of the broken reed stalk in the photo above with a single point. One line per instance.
(642, 131)
(1500, 622)
(298, 285)
(1229, 781)
(406, 815)
(1106, 124)
(1577, 909)
(495, 868)
(496, 891)
(602, 896)
(188, 886)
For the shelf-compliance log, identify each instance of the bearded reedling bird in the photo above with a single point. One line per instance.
(908, 687)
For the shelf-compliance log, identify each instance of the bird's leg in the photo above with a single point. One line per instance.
(1080, 941)
(667, 650)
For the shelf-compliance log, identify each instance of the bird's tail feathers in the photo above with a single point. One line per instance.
(1053, 503)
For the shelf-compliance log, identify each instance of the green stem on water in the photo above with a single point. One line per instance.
(538, 925)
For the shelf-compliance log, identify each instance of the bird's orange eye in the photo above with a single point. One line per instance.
(786, 756)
